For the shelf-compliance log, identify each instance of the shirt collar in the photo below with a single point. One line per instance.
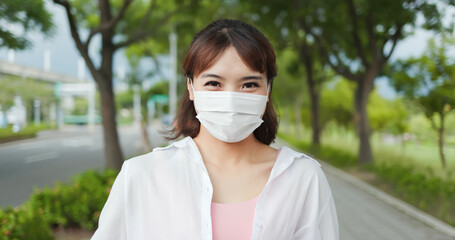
(284, 160)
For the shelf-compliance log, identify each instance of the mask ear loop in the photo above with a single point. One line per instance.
(191, 82)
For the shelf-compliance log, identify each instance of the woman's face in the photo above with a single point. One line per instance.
(229, 73)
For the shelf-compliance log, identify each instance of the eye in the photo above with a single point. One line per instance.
(212, 84)
(250, 85)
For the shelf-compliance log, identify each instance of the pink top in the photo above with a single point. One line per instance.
(233, 220)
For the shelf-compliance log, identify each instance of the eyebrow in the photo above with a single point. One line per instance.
(253, 78)
(211, 75)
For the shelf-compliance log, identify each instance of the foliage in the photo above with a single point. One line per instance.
(28, 89)
(119, 24)
(80, 106)
(354, 38)
(29, 15)
(387, 115)
(158, 89)
(289, 86)
(420, 126)
(7, 134)
(23, 223)
(336, 102)
(422, 188)
(124, 99)
(66, 205)
(357, 38)
(429, 82)
(75, 205)
(280, 21)
(326, 153)
(425, 191)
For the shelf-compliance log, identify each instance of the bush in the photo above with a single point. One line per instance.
(7, 134)
(421, 188)
(77, 205)
(23, 223)
(329, 154)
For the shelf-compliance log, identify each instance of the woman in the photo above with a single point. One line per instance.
(223, 180)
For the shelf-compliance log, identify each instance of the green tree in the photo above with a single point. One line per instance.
(185, 25)
(119, 24)
(336, 103)
(357, 39)
(29, 15)
(387, 115)
(29, 89)
(288, 89)
(279, 20)
(430, 82)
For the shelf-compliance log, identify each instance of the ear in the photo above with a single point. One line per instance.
(190, 90)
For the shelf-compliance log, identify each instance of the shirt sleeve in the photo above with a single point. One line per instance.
(112, 222)
(318, 219)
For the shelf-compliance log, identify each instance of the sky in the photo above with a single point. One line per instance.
(64, 57)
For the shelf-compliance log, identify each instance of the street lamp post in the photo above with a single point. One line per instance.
(173, 80)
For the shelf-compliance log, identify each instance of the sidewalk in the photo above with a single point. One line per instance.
(367, 213)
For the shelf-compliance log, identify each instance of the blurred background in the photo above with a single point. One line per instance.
(366, 87)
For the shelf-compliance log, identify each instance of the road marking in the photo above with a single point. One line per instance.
(41, 157)
(95, 147)
(27, 146)
(77, 142)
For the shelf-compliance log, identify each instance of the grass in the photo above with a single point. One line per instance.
(411, 173)
(29, 131)
(424, 156)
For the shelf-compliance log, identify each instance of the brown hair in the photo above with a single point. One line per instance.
(205, 49)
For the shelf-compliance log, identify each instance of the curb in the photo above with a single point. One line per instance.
(405, 207)
(395, 202)
(58, 134)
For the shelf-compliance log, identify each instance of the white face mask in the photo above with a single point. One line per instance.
(229, 116)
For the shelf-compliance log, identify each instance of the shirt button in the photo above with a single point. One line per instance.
(207, 189)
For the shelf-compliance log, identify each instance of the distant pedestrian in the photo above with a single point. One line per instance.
(223, 180)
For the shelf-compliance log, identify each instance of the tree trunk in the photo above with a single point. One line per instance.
(113, 153)
(362, 92)
(314, 96)
(307, 58)
(441, 141)
(298, 119)
(147, 147)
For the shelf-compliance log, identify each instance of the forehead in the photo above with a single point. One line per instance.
(231, 66)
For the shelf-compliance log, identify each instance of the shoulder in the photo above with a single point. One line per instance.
(300, 159)
(158, 156)
(303, 167)
(309, 173)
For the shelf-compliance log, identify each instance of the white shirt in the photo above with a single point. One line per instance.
(167, 194)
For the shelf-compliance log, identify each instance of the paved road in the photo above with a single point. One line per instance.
(44, 161)
(364, 217)
(56, 156)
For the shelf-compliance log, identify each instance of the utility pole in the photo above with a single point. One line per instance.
(173, 80)
(47, 60)
(36, 112)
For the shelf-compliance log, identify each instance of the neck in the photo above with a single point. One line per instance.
(226, 154)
